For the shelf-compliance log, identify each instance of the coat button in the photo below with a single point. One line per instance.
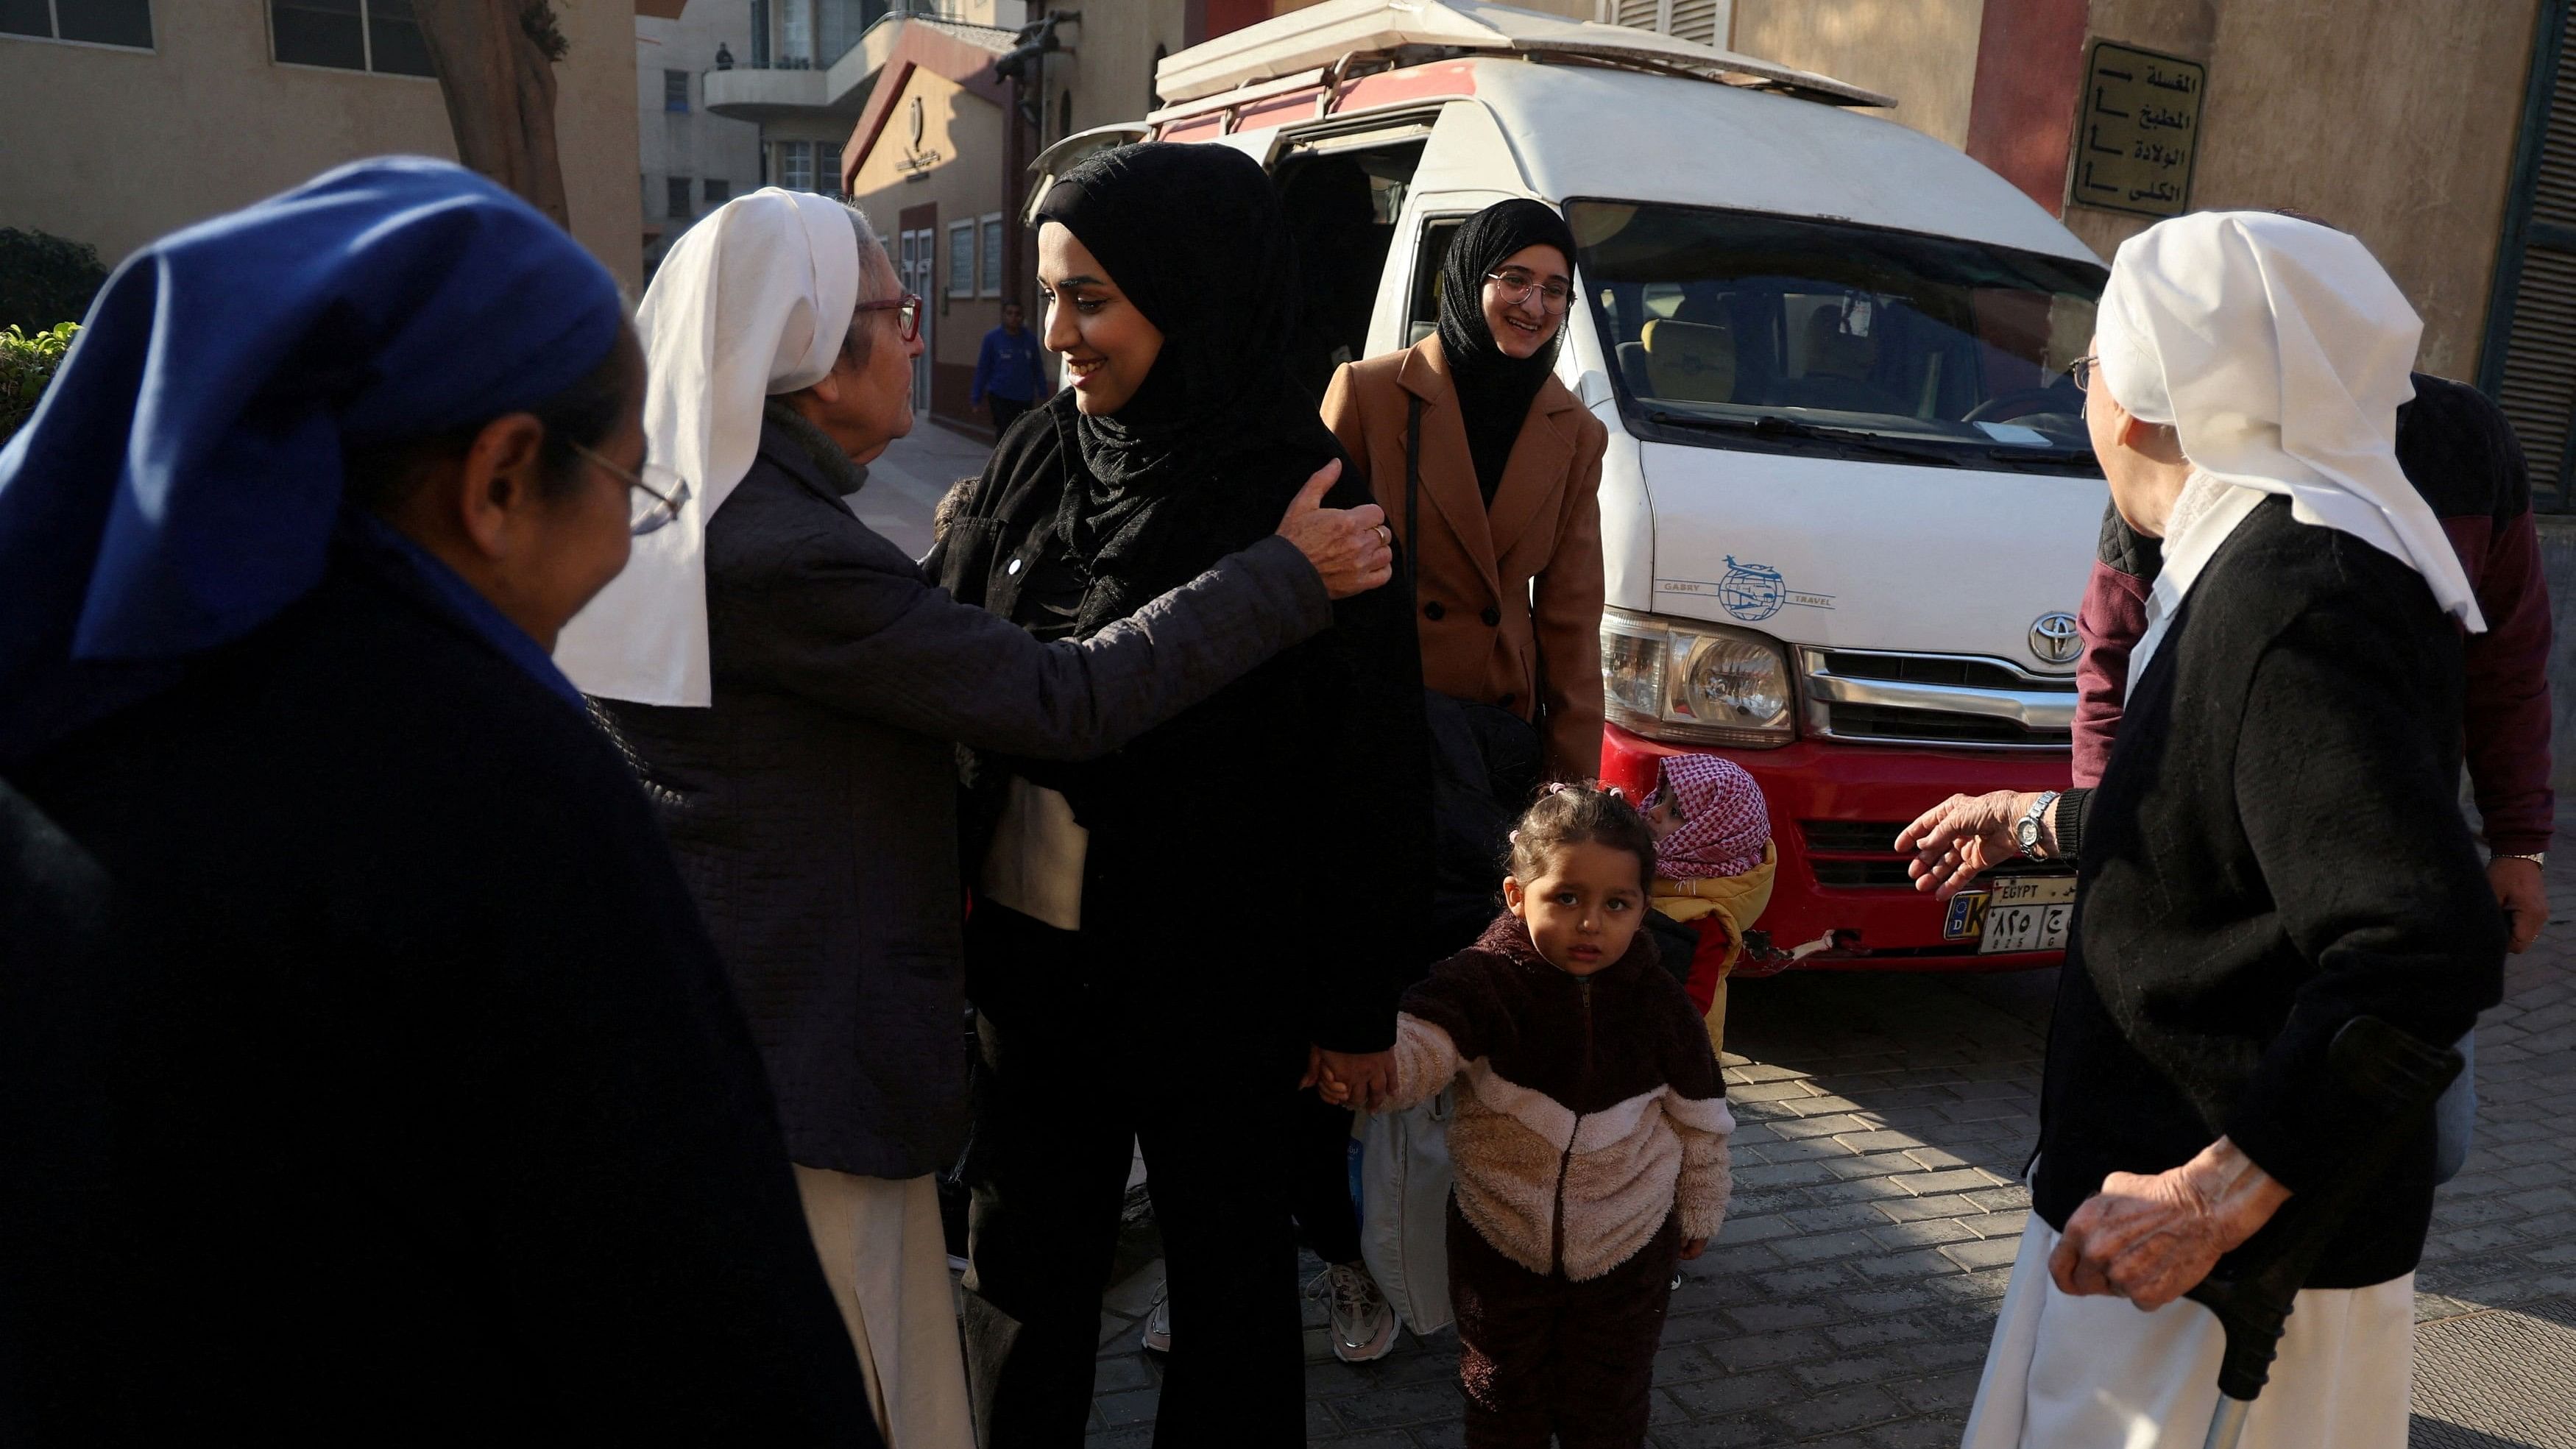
(1433, 610)
(1493, 617)
(1012, 567)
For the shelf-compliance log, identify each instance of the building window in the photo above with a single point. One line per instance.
(961, 259)
(1064, 115)
(675, 197)
(796, 165)
(989, 279)
(98, 22)
(760, 34)
(717, 191)
(376, 35)
(675, 90)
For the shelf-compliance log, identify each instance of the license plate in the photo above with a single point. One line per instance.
(2015, 914)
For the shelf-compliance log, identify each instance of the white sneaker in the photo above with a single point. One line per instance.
(1363, 1321)
(1158, 1319)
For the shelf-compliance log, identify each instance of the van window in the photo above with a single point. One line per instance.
(1422, 316)
(1735, 329)
(1341, 206)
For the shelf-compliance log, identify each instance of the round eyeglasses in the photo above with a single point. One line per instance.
(906, 310)
(1514, 287)
(2081, 371)
(662, 490)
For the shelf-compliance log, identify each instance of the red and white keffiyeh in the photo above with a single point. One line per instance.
(1724, 822)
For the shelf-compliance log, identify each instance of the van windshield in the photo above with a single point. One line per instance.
(1736, 329)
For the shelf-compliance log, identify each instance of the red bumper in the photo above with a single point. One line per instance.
(1835, 810)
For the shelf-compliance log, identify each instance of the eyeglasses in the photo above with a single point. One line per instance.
(2081, 371)
(906, 310)
(664, 491)
(1515, 288)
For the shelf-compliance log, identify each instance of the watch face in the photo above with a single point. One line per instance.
(2026, 832)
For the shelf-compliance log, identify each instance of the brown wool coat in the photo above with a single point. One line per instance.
(1481, 638)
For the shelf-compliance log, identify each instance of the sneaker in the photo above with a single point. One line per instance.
(1158, 1320)
(1363, 1321)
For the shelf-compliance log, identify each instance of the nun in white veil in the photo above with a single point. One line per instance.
(792, 691)
(2274, 849)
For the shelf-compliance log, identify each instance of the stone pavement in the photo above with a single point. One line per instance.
(1884, 1118)
(906, 482)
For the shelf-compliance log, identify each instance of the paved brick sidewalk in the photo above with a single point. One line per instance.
(1848, 1303)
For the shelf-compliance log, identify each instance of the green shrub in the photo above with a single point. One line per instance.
(26, 365)
(45, 279)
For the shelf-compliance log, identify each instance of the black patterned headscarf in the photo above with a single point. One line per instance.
(1495, 389)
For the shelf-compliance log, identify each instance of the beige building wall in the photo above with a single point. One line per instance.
(965, 131)
(117, 147)
(2393, 119)
(1923, 52)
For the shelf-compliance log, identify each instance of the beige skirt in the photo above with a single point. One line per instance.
(2095, 1373)
(887, 1261)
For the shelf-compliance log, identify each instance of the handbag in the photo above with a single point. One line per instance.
(1486, 763)
(1405, 1179)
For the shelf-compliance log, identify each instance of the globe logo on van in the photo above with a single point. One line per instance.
(1751, 592)
(2054, 639)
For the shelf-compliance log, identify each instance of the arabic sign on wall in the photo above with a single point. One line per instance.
(2137, 131)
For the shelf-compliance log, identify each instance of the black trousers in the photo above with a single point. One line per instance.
(1320, 1186)
(1005, 411)
(1082, 1048)
(1541, 1354)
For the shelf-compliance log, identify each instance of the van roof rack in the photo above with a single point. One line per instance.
(1344, 34)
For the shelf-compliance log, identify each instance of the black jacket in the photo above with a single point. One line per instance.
(813, 807)
(1288, 816)
(2275, 848)
(400, 1097)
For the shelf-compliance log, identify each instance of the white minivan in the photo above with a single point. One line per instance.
(1848, 506)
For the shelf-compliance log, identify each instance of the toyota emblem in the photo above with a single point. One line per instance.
(2054, 639)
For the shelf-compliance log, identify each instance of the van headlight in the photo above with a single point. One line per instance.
(1683, 681)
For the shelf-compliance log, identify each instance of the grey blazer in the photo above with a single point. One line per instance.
(813, 807)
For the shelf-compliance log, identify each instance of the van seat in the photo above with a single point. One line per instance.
(1689, 361)
(1632, 369)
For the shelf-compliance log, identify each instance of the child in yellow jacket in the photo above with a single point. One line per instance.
(1713, 866)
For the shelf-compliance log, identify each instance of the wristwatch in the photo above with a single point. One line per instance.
(2026, 829)
(2536, 857)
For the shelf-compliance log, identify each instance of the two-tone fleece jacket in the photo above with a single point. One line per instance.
(2459, 451)
(1589, 1108)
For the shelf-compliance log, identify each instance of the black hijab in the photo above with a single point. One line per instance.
(1194, 237)
(1495, 389)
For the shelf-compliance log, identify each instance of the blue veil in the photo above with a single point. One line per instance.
(181, 482)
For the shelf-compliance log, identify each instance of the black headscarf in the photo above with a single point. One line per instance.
(1194, 237)
(1494, 389)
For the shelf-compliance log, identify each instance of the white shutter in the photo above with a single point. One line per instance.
(1641, 14)
(1697, 20)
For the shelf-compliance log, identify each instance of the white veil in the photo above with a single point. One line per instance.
(2279, 351)
(754, 300)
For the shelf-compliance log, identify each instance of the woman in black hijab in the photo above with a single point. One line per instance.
(1164, 942)
(1468, 436)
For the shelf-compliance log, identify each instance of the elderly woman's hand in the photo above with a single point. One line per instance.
(1962, 837)
(1351, 547)
(2151, 1238)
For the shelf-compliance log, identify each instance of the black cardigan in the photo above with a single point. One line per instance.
(401, 1097)
(1269, 846)
(2276, 847)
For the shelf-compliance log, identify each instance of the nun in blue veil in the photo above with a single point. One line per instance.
(365, 1071)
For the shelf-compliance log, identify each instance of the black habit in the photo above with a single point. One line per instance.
(2275, 848)
(398, 1095)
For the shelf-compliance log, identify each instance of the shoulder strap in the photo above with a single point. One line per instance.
(1412, 482)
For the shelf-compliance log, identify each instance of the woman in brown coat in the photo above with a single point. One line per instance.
(1508, 563)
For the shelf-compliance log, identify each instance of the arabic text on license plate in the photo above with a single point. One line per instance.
(2028, 913)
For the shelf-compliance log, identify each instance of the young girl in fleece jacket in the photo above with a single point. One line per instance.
(1589, 1139)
